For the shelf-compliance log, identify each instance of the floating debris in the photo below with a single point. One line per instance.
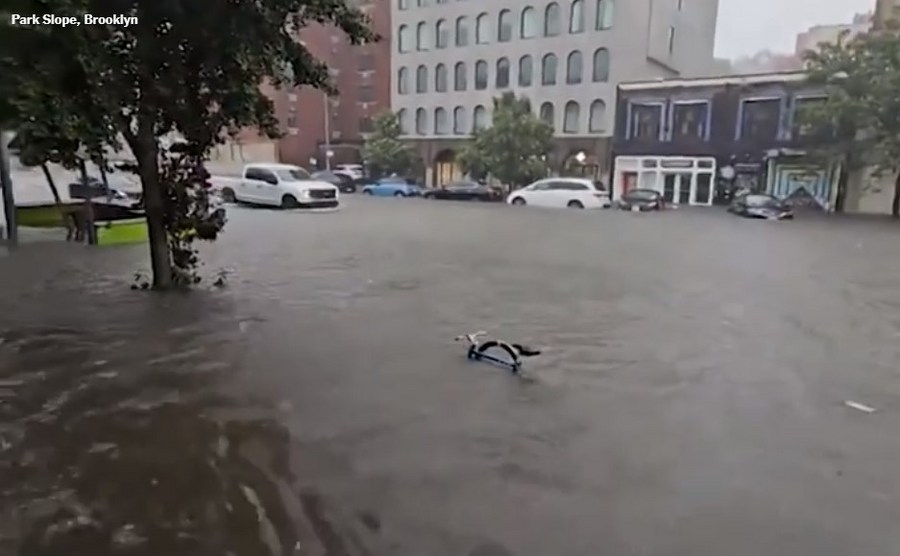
(860, 407)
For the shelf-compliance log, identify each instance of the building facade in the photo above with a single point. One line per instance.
(314, 125)
(699, 140)
(886, 11)
(449, 59)
(830, 34)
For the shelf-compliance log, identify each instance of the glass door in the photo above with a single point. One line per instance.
(677, 188)
(670, 186)
(685, 196)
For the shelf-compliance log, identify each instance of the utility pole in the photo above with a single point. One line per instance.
(328, 152)
(9, 202)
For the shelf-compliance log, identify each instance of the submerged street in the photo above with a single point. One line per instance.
(689, 401)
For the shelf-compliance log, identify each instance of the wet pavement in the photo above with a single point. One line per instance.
(690, 399)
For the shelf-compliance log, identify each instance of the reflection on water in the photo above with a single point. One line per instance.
(108, 451)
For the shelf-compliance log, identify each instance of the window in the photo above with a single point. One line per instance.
(576, 17)
(292, 119)
(671, 39)
(646, 121)
(365, 125)
(597, 120)
(441, 125)
(365, 62)
(482, 31)
(403, 40)
(459, 77)
(547, 114)
(403, 81)
(421, 3)
(571, 117)
(548, 70)
(802, 106)
(261, 175)
(366, 93)
(440, 78)
(481, 75)
(459, 120)
(574, 68)
(403, 119)
(421, 122)
(480, 118)
(601, 65)
(689, 119)
(504, 26)
(422, 36)
(462, 31)
(528, 25)
(526, 71)
(680, 5)
(502, 78)
(402, 4)
(551, 20)
(421, 79)
(441, 34)
(605, 14)
(759, 118)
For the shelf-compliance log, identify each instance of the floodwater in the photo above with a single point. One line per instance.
(690, 399)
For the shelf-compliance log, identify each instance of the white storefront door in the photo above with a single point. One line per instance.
(678, 188)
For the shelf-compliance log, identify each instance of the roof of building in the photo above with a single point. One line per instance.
(717, 81)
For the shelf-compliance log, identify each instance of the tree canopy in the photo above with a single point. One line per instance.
(385, 153)
(859, 121)
(182, 69)
(514, 149)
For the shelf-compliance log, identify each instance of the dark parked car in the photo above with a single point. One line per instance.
(93, 188)
(344, 182)
(464, 191)
(642, 200)
(760, 206)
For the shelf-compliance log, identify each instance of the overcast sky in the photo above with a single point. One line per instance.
(747, 26)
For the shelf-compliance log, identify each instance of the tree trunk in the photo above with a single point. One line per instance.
(57, 200)
(146, 151)
(895, 204)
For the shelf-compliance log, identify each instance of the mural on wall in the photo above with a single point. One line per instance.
(803, 186)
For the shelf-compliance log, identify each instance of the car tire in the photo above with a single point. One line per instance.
(575, 205)
(399, 194)
(519, 202)
(289, 202)
(228, 195)
(367, 191)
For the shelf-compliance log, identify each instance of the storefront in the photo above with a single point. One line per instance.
(681, 180)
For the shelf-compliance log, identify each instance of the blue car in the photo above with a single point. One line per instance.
(393, 187)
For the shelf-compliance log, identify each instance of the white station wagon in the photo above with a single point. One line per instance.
(281, 185)
(577, 193)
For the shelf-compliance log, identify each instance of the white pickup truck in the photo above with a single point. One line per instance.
(278, 185)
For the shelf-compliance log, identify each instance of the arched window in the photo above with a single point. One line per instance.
(481, 75)
(528, 25)
(574, 68)
(606, 14)
(462, 31)
(526, 71)
(480, 119)
(601, 65)
(551, 20)
(403, 81)
(548, 70)
(482, 29)
(403, 120)
(441, 34)
(402, 4)
(459, 121)
(571, 117)
(504, 26)
(422, 79)
(422, 36)
(547, 114)
(502, 78)
(441, 125)
(459, 77)
(576, 17)
(598, 116)
(421, 122)
(403, 43)
(440, 78)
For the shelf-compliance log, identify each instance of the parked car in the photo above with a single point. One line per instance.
(281, 185)
(577, 193)
(93, 188)
(464, 191)
(393, 187)
(344, 182)
(761, 206)
(639, 200)
(355, 171)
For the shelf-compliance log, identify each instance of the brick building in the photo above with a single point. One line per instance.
(362, 77)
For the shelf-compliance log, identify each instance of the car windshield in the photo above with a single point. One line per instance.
(643, 195)
(292, 174)
(598, 185)
(763, 201)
